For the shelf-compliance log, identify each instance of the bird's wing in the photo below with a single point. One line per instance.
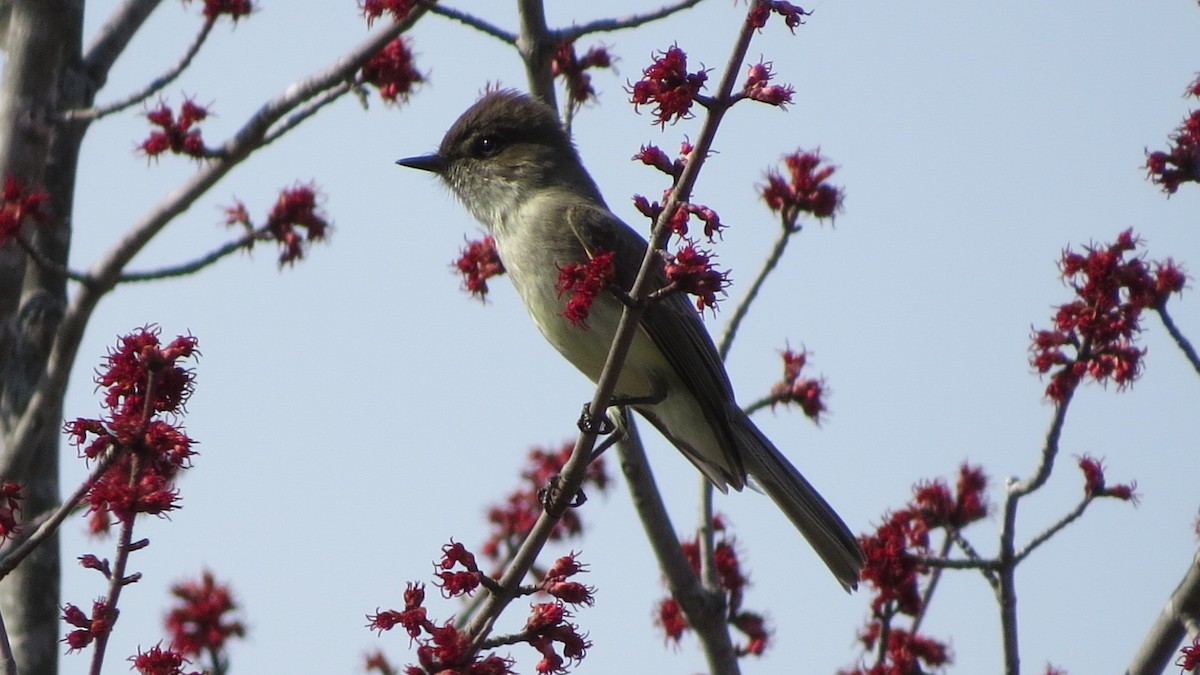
(671, 322)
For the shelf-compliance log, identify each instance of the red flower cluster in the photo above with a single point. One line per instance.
(652, 155)
(200, 624)
(178, 135)
(668, 85)
(236, 9)
(447, 650)
(296, 208)
(478, 262)
(391, 70)
(514, 517)
(1181, 162)
(1189, 656)
(906, 653)
(10, 506)
(691, 271)
(399, 9)
(804, 189)
(1101, 324)
(1095, 486)
(793, 15)
(568, 65)
(733, 583)
(756, 86)
(457, 583)
(894, 572)
(87, 628)
(18, 205)
(584, 281)
(807, 393)
(159, 661)
(142, 380)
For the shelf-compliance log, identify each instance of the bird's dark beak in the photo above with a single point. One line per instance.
(431, 162)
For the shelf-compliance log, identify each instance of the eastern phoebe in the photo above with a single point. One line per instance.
(511, 164)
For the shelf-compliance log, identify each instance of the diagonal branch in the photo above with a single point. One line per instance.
(743, 307)
(471, 21)
(154, 86)
(114, 36)
(193, 266)
(632, 21)
(1180, 339)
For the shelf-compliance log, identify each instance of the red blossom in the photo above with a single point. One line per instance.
(671, 619)
(159, 661)
(757, 86)
(807, 393)
(652, 155)
(691, 271)
(1180, 163)
(1094, 483)
(235, 9)
(571, 592)
(513, 518)
(176, 135)
(1189, 656)
(16, 204)
(889, 566)
(754, 627)
(568, 65)
(399, 9)
(584, 281)
(803, 189)
(478, 262)
(201, 622)
(1094, 335)
(10, 507)
(760, 11)
(295, 221)
(668, 85)
(392, 72)
(87, 628)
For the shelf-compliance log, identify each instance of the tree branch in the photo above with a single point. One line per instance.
(114, 36)
(471, 21)
(739, 312)
(151, 88)
(193, 266)
(1184, 345)
(1162, 641)
(1042, 538)
(631, 21)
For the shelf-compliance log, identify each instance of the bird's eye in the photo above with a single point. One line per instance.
(486, 146)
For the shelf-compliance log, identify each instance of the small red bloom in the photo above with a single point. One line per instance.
(235, 9)
(584, 281)
(668, 85)
(757, 86)
(691, 271)
(399, 9)
(760, 11)
(671, 619)
(179, 136)
(296, 210)
(16, 205)
(568, 65)
(159, 661)
(754, 627)
(808, 393)
(478, 262)
(200, 623)
(804, 189)
(392, 72)
(1096, 486)
(1189, 656)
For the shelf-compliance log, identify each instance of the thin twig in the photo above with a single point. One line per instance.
(193, 266)
(989, 570)
(1042, 538)
(8, 662)
(49, 265)
(117, 580)
(934, 578)
(471, 21)
(632, 21)
(1180, 340)
(154, 86)
(310, 109)
(941, 562)
(739, 312)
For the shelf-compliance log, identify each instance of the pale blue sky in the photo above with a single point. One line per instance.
(357, 411)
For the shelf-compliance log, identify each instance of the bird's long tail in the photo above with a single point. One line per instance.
(804, 506)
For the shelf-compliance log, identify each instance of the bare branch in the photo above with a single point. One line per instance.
(1183, 343)
(632, 21)
(193, 266)
(739, 312)
(8, 662)
(471, 21)
(39, 258)
(114, 36)
(1042, 538)
(151, 88)
(1161, 644)
(310, 109)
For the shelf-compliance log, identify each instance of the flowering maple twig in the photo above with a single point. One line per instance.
(154, 86)
(193, 266)
(117, 579)
(107, 271)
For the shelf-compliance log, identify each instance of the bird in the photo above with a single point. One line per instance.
(511, 163)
